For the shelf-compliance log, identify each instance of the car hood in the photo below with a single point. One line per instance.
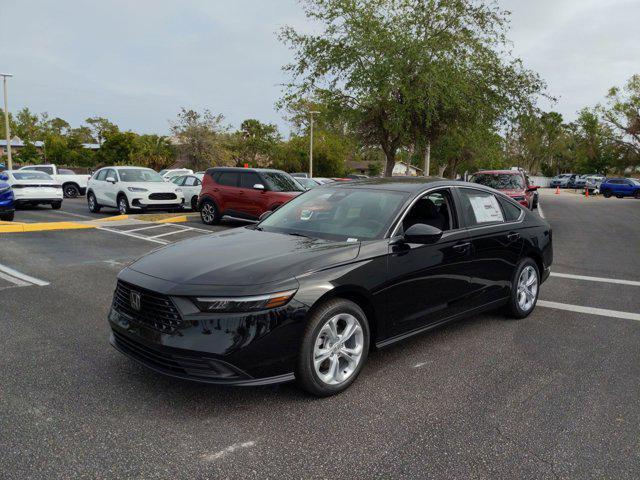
(241, 257)
(156, 187)
(513, 193)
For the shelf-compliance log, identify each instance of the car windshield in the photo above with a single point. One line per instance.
(162, 172)
(499, 181)
(139, 175)
(279, 182)
(342, 214)
(637, 182)
(306, 182)
(30, 175)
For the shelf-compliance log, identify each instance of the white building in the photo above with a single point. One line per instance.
(402, 169)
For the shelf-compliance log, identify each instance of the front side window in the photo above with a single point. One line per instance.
(342, 214)
(228, 179)
(280, 182)
(499, 181)
(101, 175)
(480, 208)
(248, 180)
(190, 181)
(140, 175)
(435, 209)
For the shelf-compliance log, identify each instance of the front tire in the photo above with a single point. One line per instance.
(525, 288)
(123, 205)
(56, 205)
(334, 348)
(209, 213)
(7, 217)
(92, 203)
(636, 194)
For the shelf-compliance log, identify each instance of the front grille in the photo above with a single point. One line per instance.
(188, 366)
(162, 196)
(156, 310)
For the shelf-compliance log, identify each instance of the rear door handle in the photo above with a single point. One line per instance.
(513, 236)
(461, 247)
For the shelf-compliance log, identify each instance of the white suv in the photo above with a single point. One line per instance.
(132, 188)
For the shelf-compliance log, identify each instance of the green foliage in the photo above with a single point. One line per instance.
(100, 128)
(374, 169)
(329, 154)
(403, 72)
(254, 143)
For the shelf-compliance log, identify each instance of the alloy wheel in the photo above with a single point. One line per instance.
(527, 288)
(92, 202)
(338, 349)
(70, 191)
(208, 213)
(122, 206)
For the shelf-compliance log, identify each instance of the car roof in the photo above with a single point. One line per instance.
(242, 169)
(404, 184)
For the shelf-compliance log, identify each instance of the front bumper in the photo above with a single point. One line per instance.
(253, 348)
(146, 204)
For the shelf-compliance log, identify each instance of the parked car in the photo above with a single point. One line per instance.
(191, 186)
(564, 180)
(512, 183)
(300, 175)
(593, 182)
(7, 206)
(32, 187)
(308, 183)
(168, 174)
(132, 188)
(620, 187)
(323, 180)
(244, 193)
(356, 176)
(307, 292)
(72, 183)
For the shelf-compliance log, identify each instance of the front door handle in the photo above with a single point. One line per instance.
(461, 247)
(513, 236)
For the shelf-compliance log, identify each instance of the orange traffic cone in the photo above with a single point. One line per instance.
(557, 190)
(586, 192)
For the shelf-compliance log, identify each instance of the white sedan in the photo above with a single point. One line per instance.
(31, 187)
(132, 188)
(191, 186)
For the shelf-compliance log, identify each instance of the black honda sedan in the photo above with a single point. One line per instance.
(310, 290)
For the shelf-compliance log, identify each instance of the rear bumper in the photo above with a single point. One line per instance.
(36, 201)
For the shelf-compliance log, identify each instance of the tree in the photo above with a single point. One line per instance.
(100, 128)
(403, 71)
(153, 151)
(254, 140)
(27, 125)
(201, 139)
(118, 148)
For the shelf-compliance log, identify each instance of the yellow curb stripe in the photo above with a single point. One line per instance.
(182, 218)
(112, 219)
(41, 227)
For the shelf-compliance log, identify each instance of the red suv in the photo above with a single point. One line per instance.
(244, 193)
(512, 183)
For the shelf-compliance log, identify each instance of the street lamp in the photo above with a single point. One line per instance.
(311, 113)
(6, 120)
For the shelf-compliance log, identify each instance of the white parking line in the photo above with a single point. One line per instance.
(132, 235)
(540, 212)
(18, 278)
(590, 310)
(170, 233)
(596, 279)
(145, 228)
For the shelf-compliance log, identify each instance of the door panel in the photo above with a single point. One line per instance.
(427, 282)
(251, 199)
(111, 189)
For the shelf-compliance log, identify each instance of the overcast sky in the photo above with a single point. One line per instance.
(137, 62)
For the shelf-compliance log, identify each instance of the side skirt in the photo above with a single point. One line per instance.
(489, 306)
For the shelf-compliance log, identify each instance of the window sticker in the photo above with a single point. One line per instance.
(486, 208)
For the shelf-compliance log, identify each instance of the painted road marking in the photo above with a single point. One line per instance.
(590, 310)
(540, 212)
(144, 228)
(21, 277)
(596, 279)
(226, 451)
(133, 235)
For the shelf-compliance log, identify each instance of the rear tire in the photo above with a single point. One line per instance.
(636, 194)
(123, 205)
(70, 191)
(7, 217)
(56, 205)
(606, 193)
(525, 288)
(92, 203)
(334, 348)
(209, 213)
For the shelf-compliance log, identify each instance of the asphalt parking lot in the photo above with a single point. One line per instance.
(555, 395)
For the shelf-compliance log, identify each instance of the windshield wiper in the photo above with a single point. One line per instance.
(296, 234)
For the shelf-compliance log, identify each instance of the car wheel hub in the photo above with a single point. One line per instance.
(338, 349)
(207, 212)
(527, 288)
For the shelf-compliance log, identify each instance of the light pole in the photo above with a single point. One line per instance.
(311, 113)
(6, 120)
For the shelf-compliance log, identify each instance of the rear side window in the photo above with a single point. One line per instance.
(190, 181)
(480, 208)
(248, 180)
(511, 211)
(229, 179)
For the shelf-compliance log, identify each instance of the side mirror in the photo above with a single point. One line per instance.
(111, 180)
(258, 186)
(265, 215)
(4, 177)
(422, 233)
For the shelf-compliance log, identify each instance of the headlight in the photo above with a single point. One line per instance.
(178, 190)
(137, 189)
(243, 304)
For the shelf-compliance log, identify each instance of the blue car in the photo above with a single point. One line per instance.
(6, 199)
(620, 187)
